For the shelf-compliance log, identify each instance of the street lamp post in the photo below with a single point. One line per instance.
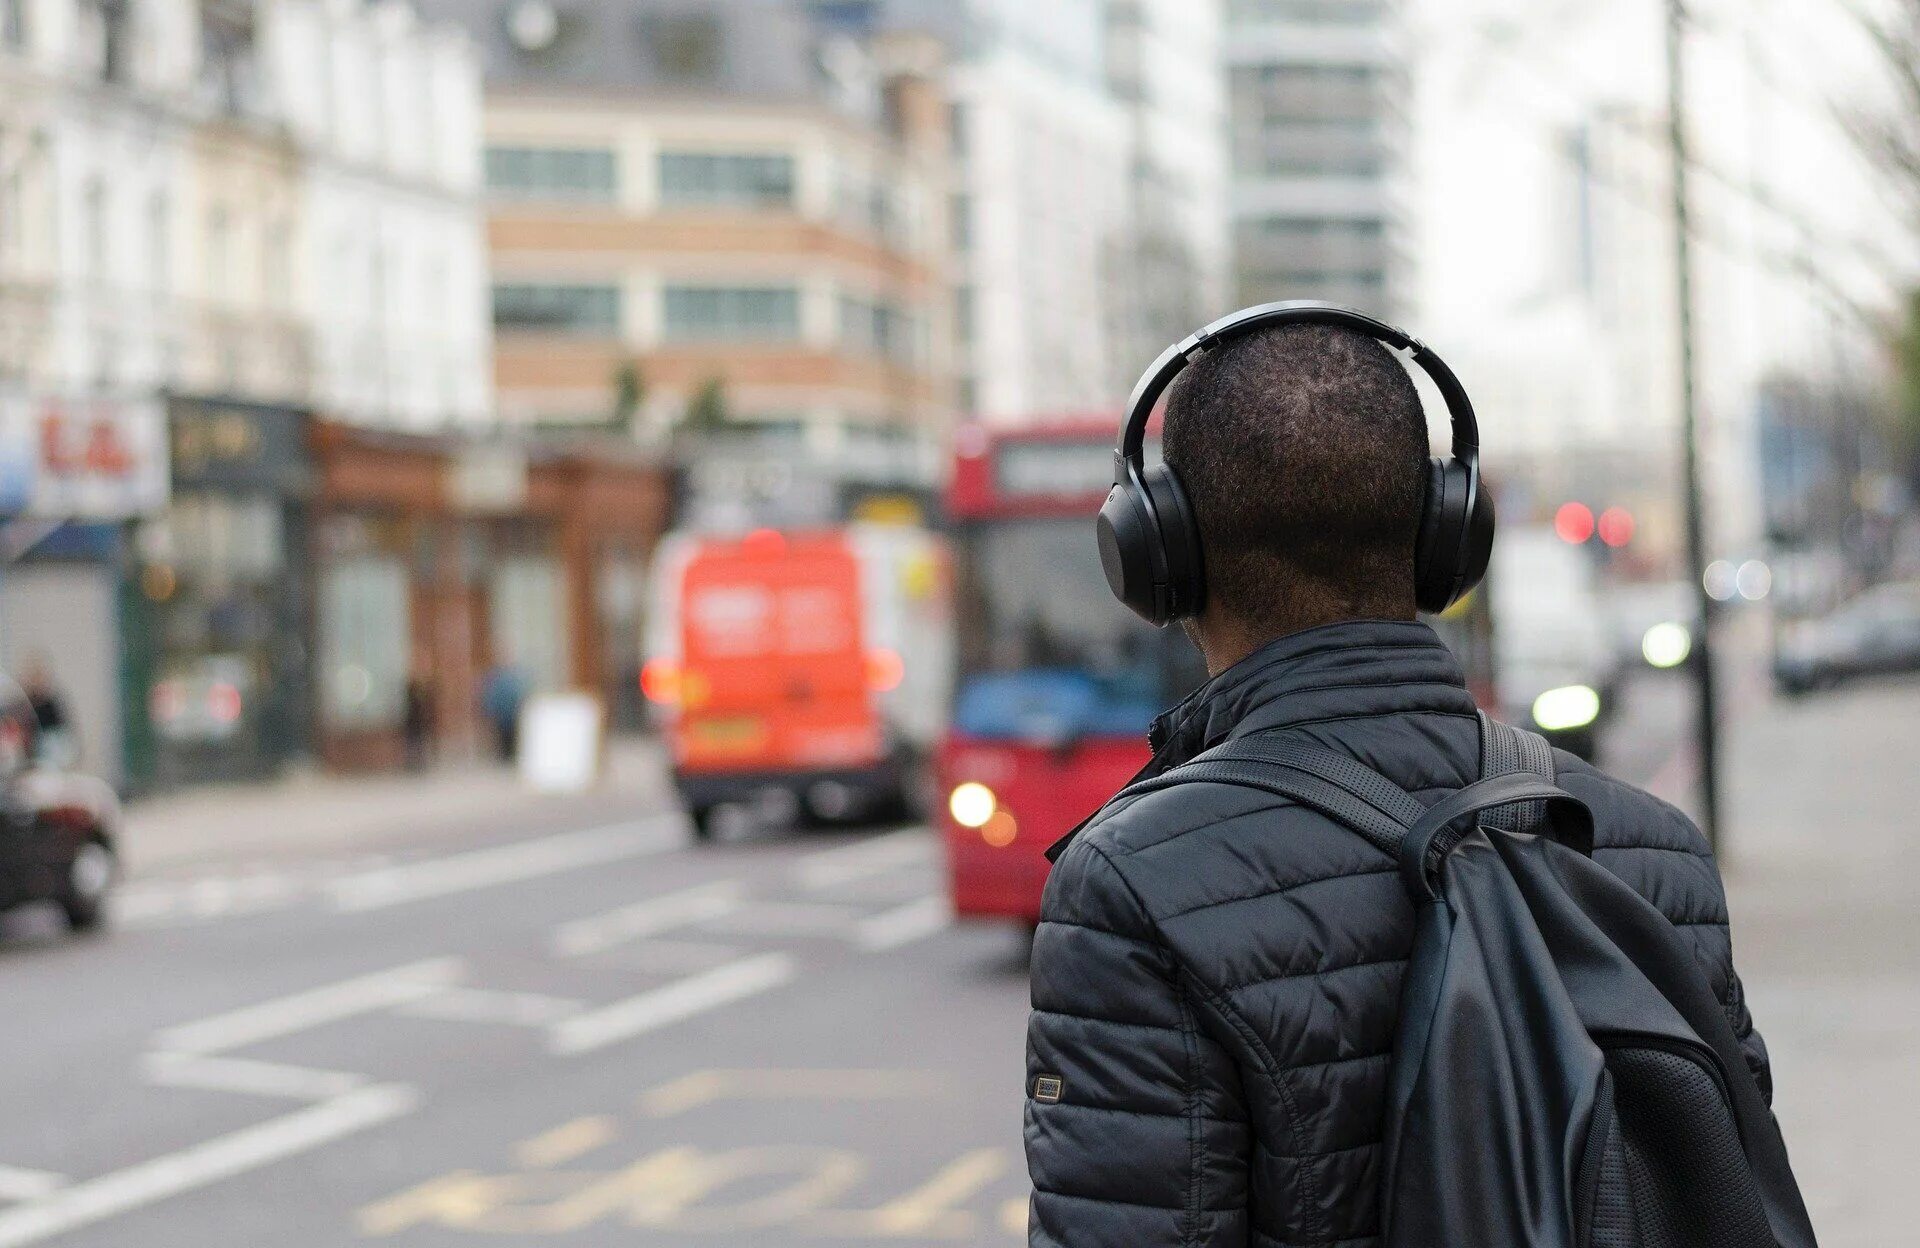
(1707, 720)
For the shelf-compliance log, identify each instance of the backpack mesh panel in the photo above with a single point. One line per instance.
(1674, 1174)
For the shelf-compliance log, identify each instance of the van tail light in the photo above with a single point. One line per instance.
(885, 670)
(660, 681)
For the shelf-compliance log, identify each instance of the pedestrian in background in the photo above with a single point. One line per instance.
(501, 696)
(1217, 976)
(54, 743)
(416, 720)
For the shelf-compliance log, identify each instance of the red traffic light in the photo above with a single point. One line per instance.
(1616, 526)
(1573, 522)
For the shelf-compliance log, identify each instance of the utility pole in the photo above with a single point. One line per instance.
(1707, 718)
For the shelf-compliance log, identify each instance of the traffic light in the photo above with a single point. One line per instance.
(1574, 523)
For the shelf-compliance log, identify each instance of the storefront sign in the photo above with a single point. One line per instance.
(87, 459)
(238, 446)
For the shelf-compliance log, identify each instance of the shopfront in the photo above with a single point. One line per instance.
(441, 560)
(224, 599)
(73, 472)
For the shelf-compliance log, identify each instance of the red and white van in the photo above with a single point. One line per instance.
(800, 670)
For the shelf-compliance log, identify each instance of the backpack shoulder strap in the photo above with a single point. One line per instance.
(1504, 751)
(1339, 787)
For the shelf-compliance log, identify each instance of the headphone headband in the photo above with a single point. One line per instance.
(1175, 359)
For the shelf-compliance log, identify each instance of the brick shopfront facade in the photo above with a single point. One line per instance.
(438, 560)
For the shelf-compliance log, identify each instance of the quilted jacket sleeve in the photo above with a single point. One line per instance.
(1136, 1129)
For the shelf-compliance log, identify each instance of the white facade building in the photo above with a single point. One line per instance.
(1043, 214)
(1317, 94)
(386, 109)
(1163, 66)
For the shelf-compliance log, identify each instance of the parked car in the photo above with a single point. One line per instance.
(57, 826)
(1876, 633)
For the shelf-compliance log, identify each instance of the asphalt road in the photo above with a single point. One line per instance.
(588, 1035)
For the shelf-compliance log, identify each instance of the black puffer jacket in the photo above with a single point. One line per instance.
(1216, 978)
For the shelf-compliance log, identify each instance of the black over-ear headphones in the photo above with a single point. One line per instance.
(1150, 543)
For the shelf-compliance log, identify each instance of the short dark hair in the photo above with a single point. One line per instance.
(1303, 450)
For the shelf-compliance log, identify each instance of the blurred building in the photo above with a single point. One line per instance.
(723, 223)
(1317, 99)
(1163, 66)
(390, 263)
(1042, 206)
(219, 219)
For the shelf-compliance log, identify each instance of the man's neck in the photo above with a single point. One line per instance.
(1224, 639)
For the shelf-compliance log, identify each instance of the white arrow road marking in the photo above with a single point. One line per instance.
(506, 864)
(248, 1077)
(683, 999)
(285, 1015)
(600, 932)
(846, 864)
(890, 929)
(18, 1183)
(163, 1177)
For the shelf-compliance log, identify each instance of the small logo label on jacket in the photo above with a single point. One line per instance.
(1047, 1089)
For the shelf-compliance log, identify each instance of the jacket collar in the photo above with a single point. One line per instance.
(1334, 671)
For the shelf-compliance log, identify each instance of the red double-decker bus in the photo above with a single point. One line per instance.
(1056, 682)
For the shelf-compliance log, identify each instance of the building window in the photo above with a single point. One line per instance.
(159, 240)
(732, 314)
(555, 308)
(877, 328)
(1308, 12)
(705, 178)
(13, 24)
(276, 263)
(962, 211)
(219, 254)
(94, 228)
(552, 173)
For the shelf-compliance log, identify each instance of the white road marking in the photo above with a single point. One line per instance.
(284, 1015)
(161, 1178)
(487, 1005)
(506, 864)
(909, 847)
(788, 918)
(247, 1076)
(599, 932)
(683, 999)
(18, 1183)
(902, 925)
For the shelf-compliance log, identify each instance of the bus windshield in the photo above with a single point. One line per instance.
(1046, 653)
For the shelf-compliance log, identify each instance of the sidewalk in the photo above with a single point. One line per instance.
(1822, 855)
(324, 815)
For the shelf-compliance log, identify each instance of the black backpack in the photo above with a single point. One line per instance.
(1563, 1075)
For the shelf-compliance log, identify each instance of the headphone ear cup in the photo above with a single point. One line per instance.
(1179, 540)
(1126, 535)
(1442, 569)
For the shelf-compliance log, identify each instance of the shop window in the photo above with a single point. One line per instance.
(740, 180)
(365, 638)
(732, 314)
(529, 620)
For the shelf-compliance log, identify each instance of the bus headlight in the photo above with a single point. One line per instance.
(1566, 708)
(1666, 645)
(972, 804)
